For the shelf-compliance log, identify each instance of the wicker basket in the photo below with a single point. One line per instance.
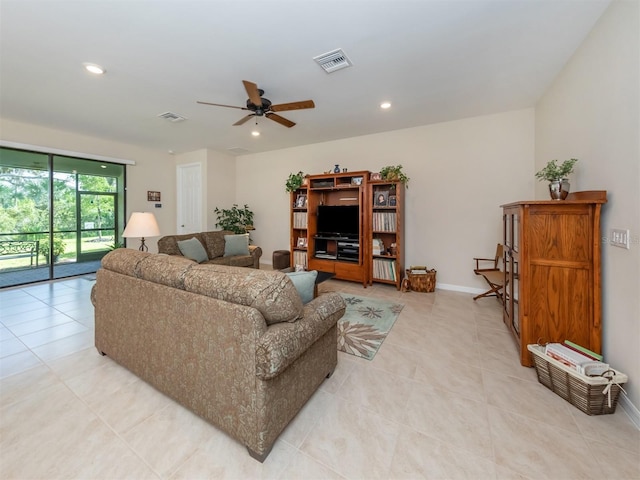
(421, 282)
(586, 393)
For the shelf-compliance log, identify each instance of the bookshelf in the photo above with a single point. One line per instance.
(386, 208)
(299, 227)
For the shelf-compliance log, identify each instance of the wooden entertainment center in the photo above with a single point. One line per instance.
(371, 247)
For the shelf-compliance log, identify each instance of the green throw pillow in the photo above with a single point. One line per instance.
(304, 283)
(193, 249)
(236, 245)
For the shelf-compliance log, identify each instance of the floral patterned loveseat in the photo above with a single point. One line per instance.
(234, 345)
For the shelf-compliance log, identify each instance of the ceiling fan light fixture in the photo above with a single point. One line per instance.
(262, 107)
(255, 133)
(94, 68)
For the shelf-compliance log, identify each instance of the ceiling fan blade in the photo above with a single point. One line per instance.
(282, 107)
(244, 119)
(279, 119)
(221, 105)
(252, 91)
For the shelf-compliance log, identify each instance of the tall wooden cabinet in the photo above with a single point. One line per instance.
(351, 258)
(387, 232)
(552, 271)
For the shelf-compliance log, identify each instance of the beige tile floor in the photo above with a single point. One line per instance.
(444, 398)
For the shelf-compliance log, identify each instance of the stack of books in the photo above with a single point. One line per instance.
(578, 358)
(384, 269)
(378, 246)
(299, 219)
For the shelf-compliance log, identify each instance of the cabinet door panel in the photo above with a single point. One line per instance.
(560, 237)
(559, 305)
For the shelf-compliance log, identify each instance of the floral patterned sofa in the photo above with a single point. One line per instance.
(234, 345)
(214, 245)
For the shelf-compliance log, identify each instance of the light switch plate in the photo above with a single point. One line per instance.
(619, 238)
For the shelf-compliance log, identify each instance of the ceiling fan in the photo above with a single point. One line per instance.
(262, 106)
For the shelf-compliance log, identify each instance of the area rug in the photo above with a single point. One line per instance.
(365, 325)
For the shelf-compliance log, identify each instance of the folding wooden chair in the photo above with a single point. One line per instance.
(494, 275)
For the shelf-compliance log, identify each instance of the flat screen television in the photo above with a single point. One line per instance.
(339, 221)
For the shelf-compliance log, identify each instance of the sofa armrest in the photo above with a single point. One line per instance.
(256, 253)
(284, 342)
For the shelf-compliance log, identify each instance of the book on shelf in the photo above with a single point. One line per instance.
(299, 219)
(575, 359)
(300, 258)
(384, 221)
(378, 246)
(384, 269)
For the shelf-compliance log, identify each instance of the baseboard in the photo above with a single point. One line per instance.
(630, 409)
(458, 288)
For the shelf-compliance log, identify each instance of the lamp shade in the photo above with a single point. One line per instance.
(141, 224)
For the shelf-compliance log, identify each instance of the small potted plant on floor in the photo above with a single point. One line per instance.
(557, 175)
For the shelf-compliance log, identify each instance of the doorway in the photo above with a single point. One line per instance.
(189, 177)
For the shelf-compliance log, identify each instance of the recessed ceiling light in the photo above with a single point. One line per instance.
(255, 133)
(93, 68)
(385, 105)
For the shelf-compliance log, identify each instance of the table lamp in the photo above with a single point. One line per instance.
(141, 224)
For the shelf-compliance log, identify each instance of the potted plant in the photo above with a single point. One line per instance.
(58, 249)
(235, 219)
(557, 175)
(295, 181)
(394, 173)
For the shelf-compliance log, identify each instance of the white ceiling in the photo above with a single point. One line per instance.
(434, 60)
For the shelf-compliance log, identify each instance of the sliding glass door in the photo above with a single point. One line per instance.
(70, 209)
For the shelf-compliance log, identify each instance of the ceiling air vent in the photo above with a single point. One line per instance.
(333, 60)
(172, 117)
(238, 150)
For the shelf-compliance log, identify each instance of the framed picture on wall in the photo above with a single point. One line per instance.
(153, 196)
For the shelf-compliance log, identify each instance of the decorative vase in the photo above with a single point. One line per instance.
(559, 189)
(336, 169)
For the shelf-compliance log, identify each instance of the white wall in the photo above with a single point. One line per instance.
(591, 112)
(460, 173)
(141, 177)
(221, 190)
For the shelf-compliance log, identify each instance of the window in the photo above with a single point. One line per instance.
(57, 235)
